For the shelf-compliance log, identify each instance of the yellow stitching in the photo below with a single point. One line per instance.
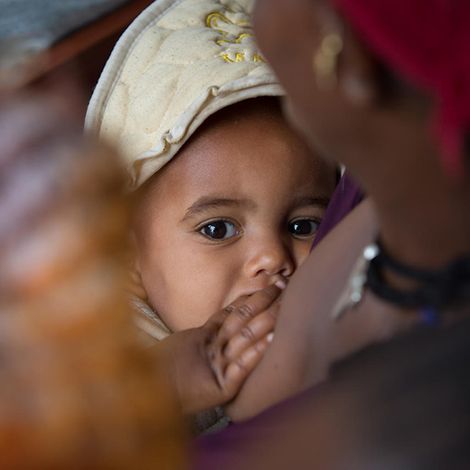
(239, 57)
(238, 40)
(213, 21)
(217, 15)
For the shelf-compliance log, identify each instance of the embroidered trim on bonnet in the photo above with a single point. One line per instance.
(236, 48)
(240, 47)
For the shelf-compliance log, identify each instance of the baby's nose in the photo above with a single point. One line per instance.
(271, 257)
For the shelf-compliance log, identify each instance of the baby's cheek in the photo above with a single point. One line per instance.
(208, 297)
(188, 307)
(192, 288)
(165, 295)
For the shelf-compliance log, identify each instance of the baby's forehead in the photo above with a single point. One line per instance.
(232, 164)
(244, 145)
(237, 118)
(224, 134)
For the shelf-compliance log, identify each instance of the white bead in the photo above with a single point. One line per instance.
(371, 251)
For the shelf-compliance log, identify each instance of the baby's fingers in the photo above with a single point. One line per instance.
(229, 323)
(254, 331)
(231, 319)
(244, 310)
(241, 367)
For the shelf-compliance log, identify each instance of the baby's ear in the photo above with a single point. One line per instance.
(135, 285)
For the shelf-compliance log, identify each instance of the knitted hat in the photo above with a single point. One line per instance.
(179, 62)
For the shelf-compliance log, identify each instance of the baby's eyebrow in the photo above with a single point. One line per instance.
(303, 201)
(205, 203)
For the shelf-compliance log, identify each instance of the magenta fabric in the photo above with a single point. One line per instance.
(427, 42)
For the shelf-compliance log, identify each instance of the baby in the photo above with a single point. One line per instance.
(236, 211)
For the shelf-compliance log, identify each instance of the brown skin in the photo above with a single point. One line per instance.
(247, 172)
(259, 186)
(306, 341)
(208, 365)
(386, 142)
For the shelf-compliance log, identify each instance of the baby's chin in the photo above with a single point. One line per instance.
(185, 316)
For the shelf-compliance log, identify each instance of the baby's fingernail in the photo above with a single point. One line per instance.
(281, 283)
(270, 337)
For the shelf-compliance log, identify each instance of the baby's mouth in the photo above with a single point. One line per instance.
(277, 280)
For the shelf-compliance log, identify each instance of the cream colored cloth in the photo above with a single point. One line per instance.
(148, 320)
(179, 62)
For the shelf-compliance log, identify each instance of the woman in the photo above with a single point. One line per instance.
(389, 97)
(387, 127)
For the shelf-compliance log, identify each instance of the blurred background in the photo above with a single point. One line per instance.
(49, 38)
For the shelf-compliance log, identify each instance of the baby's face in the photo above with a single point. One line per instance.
(234, 211)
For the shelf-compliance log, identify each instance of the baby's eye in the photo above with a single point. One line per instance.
(219, 230)
(303, 228)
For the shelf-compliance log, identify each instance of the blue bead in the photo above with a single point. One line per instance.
(429, 316)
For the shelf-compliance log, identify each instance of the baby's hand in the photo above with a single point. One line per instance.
(209, 364)
(241, 334)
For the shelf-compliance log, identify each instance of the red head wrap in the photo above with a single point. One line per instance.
(428, 42)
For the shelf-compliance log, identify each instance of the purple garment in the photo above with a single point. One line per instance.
(346, 197)
(227, 449)
(230, 448)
